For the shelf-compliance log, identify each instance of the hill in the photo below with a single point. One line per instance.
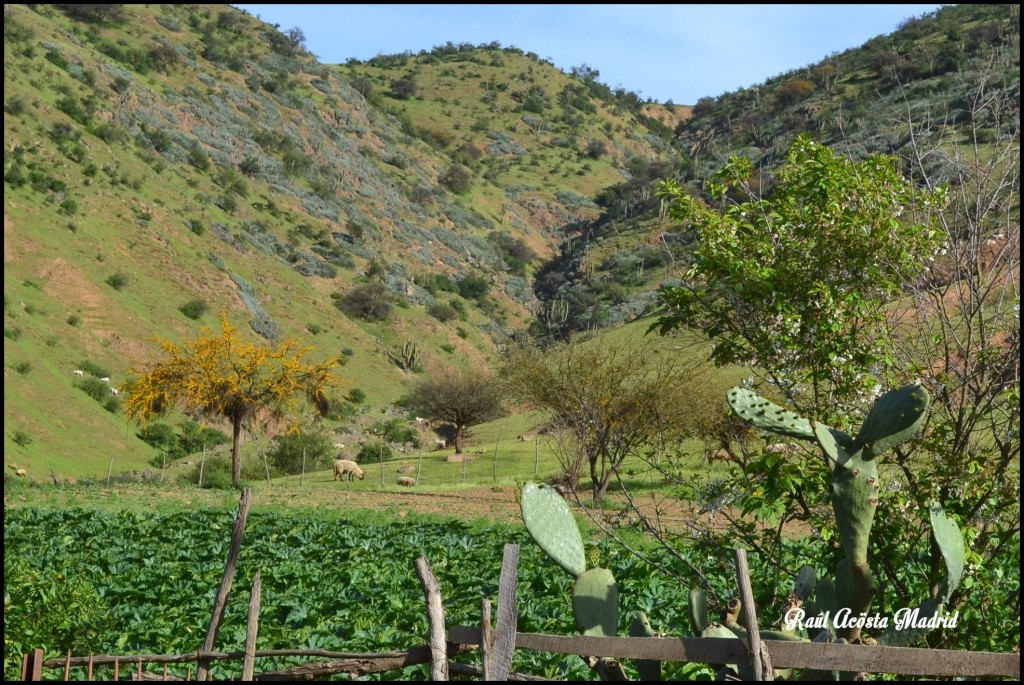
(167, 163)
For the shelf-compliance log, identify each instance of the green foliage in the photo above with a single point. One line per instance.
(194, 309)
(117, 281)
(289, 449)
(356, 396)
(23, 368)
(374, 452)
(370, 302)
(94, 369)
(474, 287)
(798, 281)
(21, 438)
(397, 431)
(76, 613)
(95, 388)
(456, 178)
(461, 398)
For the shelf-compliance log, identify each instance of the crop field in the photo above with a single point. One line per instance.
(127, 582)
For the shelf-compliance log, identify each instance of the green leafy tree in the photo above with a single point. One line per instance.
(797, 282)
(222, 376)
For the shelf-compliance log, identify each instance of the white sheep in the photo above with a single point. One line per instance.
(339, 446)
(78, 372)
(21, 472)
(105, 379)
(440, 444)
(781, 448)
(347, 467)
(406, 481)
(113, 391)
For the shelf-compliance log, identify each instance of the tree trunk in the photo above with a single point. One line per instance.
(236, 461)
(459, 430)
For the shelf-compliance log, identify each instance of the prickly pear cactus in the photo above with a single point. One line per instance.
(854, 488)
(550, 523)
(595, 602)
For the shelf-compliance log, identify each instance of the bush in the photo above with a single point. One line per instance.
(95, 388)
(117, 281)
(356, 396)
(196, 226)
(23, 439)
(396, 431)
(474, 287)
(23, 368)
(457, 179)
(373, 453)
(442, 312)
(94, 369)
(287, 453)
(194, 309)
(370, 302)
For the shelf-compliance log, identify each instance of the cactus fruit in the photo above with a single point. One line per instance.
(550, 523)
(595, 602)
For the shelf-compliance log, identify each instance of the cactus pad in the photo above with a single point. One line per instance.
(803, 586)
(595, 602)
(649, 669)
(698, 610)
(893, 419)
(758, 411)
(551, 524)
(951, 544)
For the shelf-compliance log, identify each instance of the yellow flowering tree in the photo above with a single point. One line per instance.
(219, 375)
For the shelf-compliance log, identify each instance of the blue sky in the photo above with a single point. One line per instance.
(665, 52)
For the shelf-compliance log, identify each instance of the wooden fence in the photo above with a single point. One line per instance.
(498, 644)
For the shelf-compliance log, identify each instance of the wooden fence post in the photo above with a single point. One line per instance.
(203, 665)
(251, 628)
(302, 478)
(504, 644)
(435, 620)
(759, 660)
(486, 637)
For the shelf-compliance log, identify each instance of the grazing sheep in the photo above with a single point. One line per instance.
(21, 472)
(347, 467)
(13, 466)
(78, 372)
(781, 448)
(339, 446)
(440, 444)
(406, 481)
(113, 391)
(718, 455)
(105, 379)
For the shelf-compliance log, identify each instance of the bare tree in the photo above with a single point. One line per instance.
(615, 401)
(460, 398)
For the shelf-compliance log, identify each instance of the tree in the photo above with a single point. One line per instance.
(797, 282)
(222, 376)
(461, 398)
(614, 402)
(370, 302)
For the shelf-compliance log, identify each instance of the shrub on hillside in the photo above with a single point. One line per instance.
(194, 309)
(370, 302)
(374, 453)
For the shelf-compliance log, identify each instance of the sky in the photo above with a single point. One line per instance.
(663, 52)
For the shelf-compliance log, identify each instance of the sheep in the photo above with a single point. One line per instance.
(21, 472)
(718, 455)
(105, 379)
(781, 448)
(347, 467)
(113, 391)
(78, 372)
(406, 481)
(339, 446)
(440, 444)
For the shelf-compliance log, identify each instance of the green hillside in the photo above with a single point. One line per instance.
(164, 164)
(163, 158)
